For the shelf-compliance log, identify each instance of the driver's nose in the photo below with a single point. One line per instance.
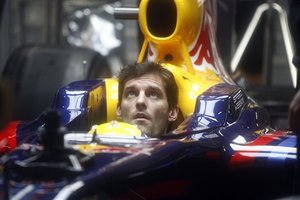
(141, 101)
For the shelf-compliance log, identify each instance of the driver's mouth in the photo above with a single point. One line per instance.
(141, 116)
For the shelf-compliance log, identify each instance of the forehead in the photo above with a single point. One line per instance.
(147, 80)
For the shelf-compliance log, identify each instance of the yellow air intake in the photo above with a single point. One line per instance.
(170, 26)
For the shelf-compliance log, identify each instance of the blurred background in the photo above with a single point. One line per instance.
(45, 44)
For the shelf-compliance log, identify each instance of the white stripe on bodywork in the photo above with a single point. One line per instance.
(23, 192)
(262, 148)
(66, 191)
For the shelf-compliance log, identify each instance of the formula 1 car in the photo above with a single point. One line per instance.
(222, 148)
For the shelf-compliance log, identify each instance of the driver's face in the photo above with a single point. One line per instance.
(144, 104)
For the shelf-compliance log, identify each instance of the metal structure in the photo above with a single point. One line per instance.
(261, 10)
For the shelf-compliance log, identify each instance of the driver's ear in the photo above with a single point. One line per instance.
(118, 112)
(173, 113)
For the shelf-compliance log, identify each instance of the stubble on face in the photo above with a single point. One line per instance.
(144, 104)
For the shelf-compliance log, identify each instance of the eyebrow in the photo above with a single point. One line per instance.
(129, 88)
(156, 89)
(134, 86)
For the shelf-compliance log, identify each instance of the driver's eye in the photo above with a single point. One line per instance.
(130, 94)
(154, 94)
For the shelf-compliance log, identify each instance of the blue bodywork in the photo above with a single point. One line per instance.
(226, 145)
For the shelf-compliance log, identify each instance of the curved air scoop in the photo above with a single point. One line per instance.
(170, 20)
(161, 18)
(170, 26)
(181, 32)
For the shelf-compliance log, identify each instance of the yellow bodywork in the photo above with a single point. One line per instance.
(110, 129)
(190, 86)
(115, 128)
(188, 24)
(111, 88)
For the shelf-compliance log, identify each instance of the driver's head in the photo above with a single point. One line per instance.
(148, 97)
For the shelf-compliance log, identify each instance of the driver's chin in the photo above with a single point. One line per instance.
(145, 130)
(146, 127)
(149, 131)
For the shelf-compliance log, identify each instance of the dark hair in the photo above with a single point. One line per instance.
(137, 70)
